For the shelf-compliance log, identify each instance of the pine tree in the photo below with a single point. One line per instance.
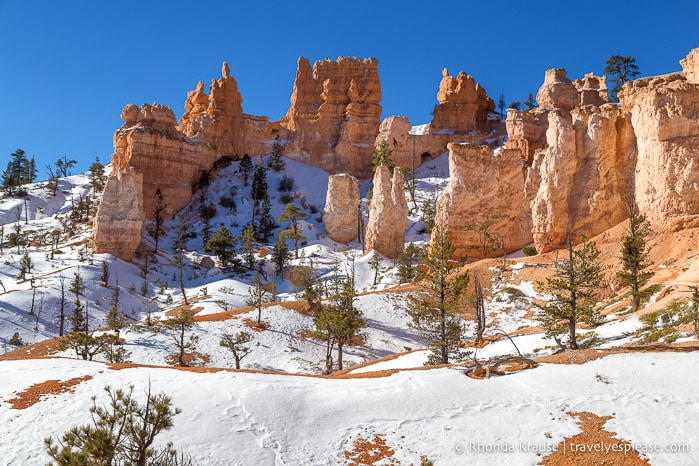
(574, 287)
(621, 69)
(178, 328)
(265, 221)
(501, 105)
(407, 263)
(121, 432)
(434, 311)
(280, 254)
(97, 176)
(634, 255)
(64, 165)
(293, 214)
(479, 304)
(17, 173)
(258, 295)
(181, 234)
(222, 244)
(338, 322)
(278, 163)
(382, 155)
(237, 344)
(249, 245)
(530, 102)
(246, 168)
(25, 266)
(158, 216)
(258, 191)
(376, 263)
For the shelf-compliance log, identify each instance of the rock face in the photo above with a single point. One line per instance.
(665, 116)
(690, 66)
(335, 114)
(463, 104)
(388, 214)
(341, 203)
(119, 220)
(484, 195)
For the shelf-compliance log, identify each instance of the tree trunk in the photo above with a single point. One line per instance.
(573, 339)
(340, 344)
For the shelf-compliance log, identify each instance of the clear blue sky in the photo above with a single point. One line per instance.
(69, 67)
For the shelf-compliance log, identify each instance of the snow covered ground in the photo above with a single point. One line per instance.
(231, 418)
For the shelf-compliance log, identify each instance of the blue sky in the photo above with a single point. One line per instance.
(69, 67)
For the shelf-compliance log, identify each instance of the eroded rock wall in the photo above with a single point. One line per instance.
(341, 207)
(388, 213)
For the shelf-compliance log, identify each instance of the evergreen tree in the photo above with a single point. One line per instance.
(222, 244)
(307, 281)
(121, 432)
(293, 214)
(501, 104)
(621, 69)
(530, 103)
(407, 263)
(77, 285)
(249, 245)
(258, 191)
(97, 176)
(434, 311)
(258, 295)
(338, 322)
(25, 266)
(280, 254)
(376, 264)
(277, 158)
(515, 105)
(181, 234)
(64, 166)
(238, 345)
(246, 168)
(574, 287)
(178, 328)
(634, 255)
(17, 173)
(382, 155)
(265, 221)
(479, 304)
(158, 216)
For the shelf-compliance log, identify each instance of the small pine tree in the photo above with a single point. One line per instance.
(501, 104)
(246, 168)
(181, 234)
(25, 266)
(249, 245)
(280, 254)
(634, 255)
(278, 163)
(121, 432)
(265, 223)
(178, 328)
(97, 177)
(434, 311)
(222, 244)
(382, 155)
(574, 287)
(293, 214)
(258, 295)
(407, 263)
(376, 264)
(158, 219)
(530, 103)
(238, 345)
(621, 69)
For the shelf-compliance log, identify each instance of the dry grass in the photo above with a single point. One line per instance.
(39, 391)
(593, 434)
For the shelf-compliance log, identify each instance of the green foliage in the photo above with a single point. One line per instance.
(237, 344)
(376, 264)
(338, 322)
(621, 68)
(501, 104)
(435, 310)
(25, 266)
(574, 287)
(429, 212)
(634, 256)
(249, 245)
(293, 214)
(97, 176)
(407, 262)
(178, 328)
(222, 244)
(515, 105)
(382, 155)
(530, 103)
(20, 171)
(280, 254)
(529, 251)
(264, 224)
(661, 325)
(257, 296)
(277, 158)
(122, 432)
(64, 166)
(245, 168)
(307, 282)
(16, 340)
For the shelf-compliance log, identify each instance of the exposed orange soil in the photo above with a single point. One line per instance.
(594, 446)
(176, 311)
(193, 359)
(34, 394)
(582, 356)
(35, 351)
(252, 323)
(368, 451)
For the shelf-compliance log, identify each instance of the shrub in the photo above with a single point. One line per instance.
(229, 203)
(529, 251)
(286, 198)
(286, 183)
(208, 211)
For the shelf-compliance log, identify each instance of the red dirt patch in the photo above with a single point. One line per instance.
(368, 451)
(581, 449)
(252, 323)
(176, 311)
(34, 394)
(193, 359)
(35, 351)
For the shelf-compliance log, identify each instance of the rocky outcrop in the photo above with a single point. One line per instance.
(557, 91)
(484, 200)
(592, 90)
(463, 105)
(665, 116)
(335, 114)
(690, 66)
(388, 213)
(119, 220)
(341, 204)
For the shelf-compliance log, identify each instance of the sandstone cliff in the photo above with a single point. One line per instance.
(119, 220)
(388, 213)
(341, 204)
(335, 114)
(482, 206)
